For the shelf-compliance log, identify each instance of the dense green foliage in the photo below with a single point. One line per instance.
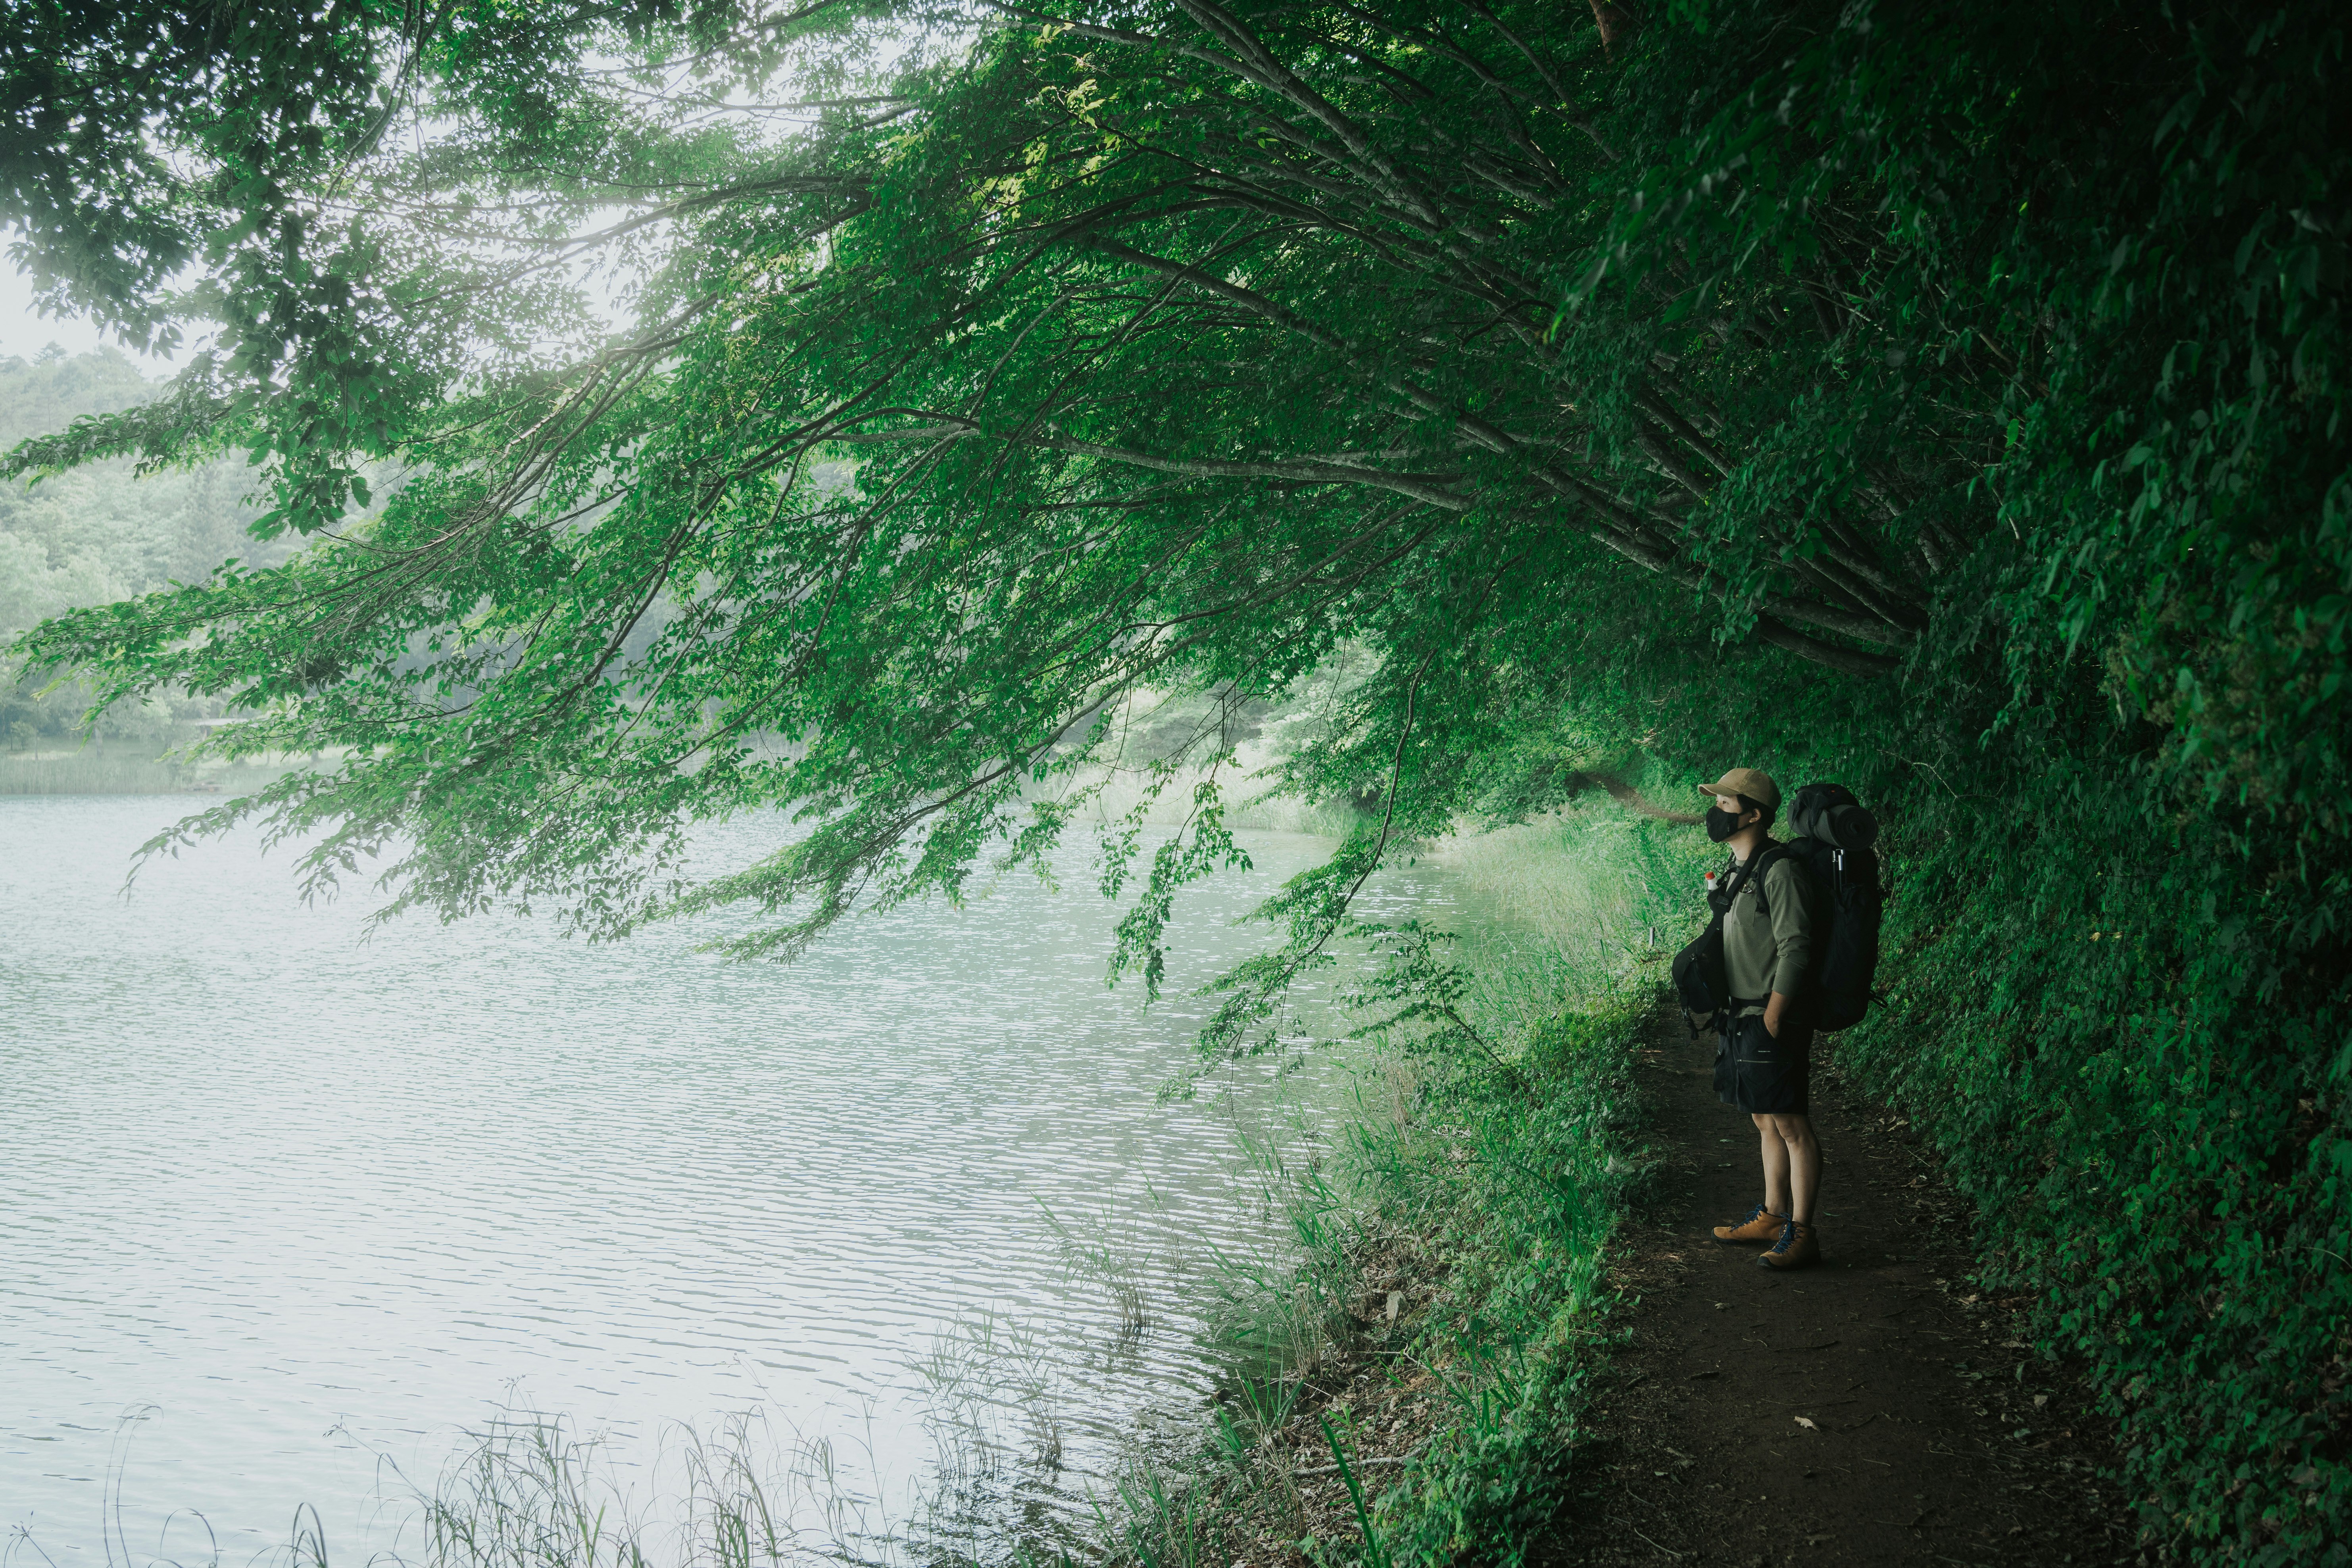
(2134, 1066)
(1889, 391)
(2121, 1026)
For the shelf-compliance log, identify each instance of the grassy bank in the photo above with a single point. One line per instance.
(1413, 1391)
(1476, 1209)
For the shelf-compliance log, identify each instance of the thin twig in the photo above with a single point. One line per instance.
(1674, 1555)
(1360, 1464)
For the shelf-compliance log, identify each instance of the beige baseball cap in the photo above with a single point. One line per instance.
(1756, 786)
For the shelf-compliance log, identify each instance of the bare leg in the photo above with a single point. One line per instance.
(1775, 1167)
(1802, 1158)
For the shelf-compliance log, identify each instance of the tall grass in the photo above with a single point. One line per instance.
(533, 1493)
(1578, 899)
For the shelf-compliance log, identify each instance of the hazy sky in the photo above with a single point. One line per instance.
(25, 334)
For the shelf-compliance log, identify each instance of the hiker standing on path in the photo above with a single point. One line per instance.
(1764, 1064)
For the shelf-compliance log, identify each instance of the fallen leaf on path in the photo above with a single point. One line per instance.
(1807, 1423)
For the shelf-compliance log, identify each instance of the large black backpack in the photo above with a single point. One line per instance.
(1830, 847)
(1830, 841)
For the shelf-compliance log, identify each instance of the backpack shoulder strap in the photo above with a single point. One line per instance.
(1736, 876)
(1759, 863)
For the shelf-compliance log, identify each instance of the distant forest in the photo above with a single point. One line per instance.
(100, 533)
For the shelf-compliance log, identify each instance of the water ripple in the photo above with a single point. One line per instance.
(316, 1198)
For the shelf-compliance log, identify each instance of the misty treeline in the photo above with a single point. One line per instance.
(100, 534)
(1942, 400)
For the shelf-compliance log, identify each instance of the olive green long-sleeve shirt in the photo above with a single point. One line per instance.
(1763, 954)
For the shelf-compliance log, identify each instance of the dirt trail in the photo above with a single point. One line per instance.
(1866, 1411)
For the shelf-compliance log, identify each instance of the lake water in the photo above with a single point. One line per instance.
(284, 1207)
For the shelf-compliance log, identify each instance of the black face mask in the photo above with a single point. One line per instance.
(1721, 824)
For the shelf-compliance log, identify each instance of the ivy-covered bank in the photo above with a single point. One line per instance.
(2134, 1053)
(2124, 1026)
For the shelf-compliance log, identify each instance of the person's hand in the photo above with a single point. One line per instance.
(1776, 1008)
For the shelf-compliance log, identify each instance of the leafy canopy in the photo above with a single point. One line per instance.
(984, 368)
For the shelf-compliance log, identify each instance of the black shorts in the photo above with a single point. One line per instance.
(1762, 1075)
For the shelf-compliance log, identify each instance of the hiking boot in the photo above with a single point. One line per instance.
(1761, 1224)
(1799, 1247)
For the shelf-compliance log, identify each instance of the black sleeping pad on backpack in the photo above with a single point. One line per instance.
(1830, 813)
